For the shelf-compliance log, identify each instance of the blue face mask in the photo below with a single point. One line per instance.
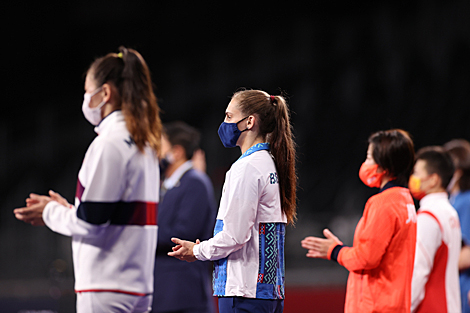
(229, 133)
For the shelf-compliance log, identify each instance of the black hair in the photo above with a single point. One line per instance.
(180, 133)
(393, 150)
(438, 161)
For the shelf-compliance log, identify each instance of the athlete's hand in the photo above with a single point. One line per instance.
(32, 213)
(57, 197)
(183, 250)
(319, 247)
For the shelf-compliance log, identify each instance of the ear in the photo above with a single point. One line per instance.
(250, 121)
(107, 90)
(436, 180)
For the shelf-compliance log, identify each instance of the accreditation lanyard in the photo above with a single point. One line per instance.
(253, 149)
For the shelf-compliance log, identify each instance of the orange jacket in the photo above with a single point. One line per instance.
(382, 256)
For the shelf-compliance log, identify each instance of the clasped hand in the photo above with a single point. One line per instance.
(35, 205)
(183, 249)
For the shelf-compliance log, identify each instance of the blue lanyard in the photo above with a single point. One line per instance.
(257, 147)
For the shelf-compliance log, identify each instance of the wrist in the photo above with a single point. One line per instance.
(333, 251)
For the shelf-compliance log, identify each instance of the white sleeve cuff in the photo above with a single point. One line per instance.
(197, 252)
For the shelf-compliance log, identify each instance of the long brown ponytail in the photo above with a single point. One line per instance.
(274, 124)
(129, 73)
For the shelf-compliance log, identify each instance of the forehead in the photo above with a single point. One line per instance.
(232, 107)
(90, 83)
(420, 164)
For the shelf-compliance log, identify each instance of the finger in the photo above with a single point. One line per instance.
(34, 196)
(30, 201)
(328, 234)
(177, 241)
(24, 218)
(310, 239)
(313, 254)
(198, 241)
(24, 210)
(175, 253)
(55, 196)
(20, 217)
(306, 245)
(312, 242)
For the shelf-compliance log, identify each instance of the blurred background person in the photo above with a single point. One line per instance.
(258, 200)
(380, 262)
(459, 189)
(435, 285)
(187, 209)
(113, 224)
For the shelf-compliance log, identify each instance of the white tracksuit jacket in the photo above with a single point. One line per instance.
(435, 284)
(248, 242)
(114, 221)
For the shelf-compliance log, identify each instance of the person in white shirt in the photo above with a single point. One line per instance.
(113, 224)
(258, 200)
(435, 284)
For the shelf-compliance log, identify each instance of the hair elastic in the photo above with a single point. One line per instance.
(119, 55)
(273, 99)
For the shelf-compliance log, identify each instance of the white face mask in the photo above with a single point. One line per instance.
(455, 180)
(93, 115)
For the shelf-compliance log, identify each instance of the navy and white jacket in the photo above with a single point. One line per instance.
(114, 221)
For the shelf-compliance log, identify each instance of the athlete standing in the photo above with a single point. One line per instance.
(380, 262)
(113, 223)
(258, 200)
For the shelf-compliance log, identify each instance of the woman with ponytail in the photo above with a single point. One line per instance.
(113, 223)
(258, 200)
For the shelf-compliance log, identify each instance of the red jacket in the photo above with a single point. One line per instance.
(382, 256)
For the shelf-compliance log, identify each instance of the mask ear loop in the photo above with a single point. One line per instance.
(241, 121)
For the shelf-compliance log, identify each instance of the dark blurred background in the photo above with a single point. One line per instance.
(347, 68)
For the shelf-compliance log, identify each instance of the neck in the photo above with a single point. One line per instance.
(385, 180)
(247, 144)
(107, 109)
(173, 167)
(436, 190)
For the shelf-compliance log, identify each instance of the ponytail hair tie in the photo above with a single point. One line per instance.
(119, 55)
(273, 99)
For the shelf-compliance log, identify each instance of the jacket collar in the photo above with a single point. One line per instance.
(108, 120)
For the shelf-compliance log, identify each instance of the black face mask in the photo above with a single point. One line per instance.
(164, 163)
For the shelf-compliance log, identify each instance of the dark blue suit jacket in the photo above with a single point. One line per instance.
(187, 211)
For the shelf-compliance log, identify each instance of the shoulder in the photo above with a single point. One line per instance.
(462, 199)
(437, 204)
(105, 146)
(391, 195)
(195, 177)
(390, 199)
(257, 162)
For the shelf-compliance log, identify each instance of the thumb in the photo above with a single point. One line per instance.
(55, 196)
(198, 241)
(329, 235)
